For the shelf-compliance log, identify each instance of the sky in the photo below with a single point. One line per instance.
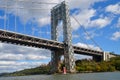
(100, 18)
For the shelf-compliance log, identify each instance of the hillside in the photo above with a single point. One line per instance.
(43, 69)
(81, 66)
(104, 66)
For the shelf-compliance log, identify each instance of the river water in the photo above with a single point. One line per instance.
(81, 76)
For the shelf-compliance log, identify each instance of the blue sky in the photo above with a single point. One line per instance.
(100, 18)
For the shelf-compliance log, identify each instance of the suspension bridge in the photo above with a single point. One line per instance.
(60, 12)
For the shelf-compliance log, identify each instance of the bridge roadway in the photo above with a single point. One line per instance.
(26, 40)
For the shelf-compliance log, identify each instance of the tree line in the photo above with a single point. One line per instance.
(81, 66)
(104, 66)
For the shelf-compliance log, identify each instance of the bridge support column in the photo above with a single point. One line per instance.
(68, 48)
(61, 12)
(69, 60)
(55, 61)
(107, 56)
(97, 58)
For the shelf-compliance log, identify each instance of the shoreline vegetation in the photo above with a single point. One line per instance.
(82, 66)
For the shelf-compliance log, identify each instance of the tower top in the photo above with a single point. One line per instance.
(58, 5)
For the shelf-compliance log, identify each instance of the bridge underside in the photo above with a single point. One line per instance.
(97, 58)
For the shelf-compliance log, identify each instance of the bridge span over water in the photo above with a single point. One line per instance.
(26, 40)
(66, 48)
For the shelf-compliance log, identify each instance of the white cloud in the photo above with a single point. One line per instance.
(82, 4)
(74, 26)
(88, 46)
(6, 63)
(36, 57)
(116, 36)
(9, 52)
(115, 9)
(78, 57)
(1, 45)
(21, 49)
(92, 34)
(29, 9)
(83, 17)
(44, 21)
(85, 14)
(10, 66)
(75, 36)
(14, 58)
(100, 22)
(10, 56)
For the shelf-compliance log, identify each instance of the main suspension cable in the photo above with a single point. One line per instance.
(83, 40)
(87, 33)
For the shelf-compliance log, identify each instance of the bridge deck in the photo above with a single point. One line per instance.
(26, 40)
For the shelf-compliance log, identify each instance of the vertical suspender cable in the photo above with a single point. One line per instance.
(7, 27)
(16, 11)
(5, 16)
(24, 26)
(82, 39)
(32, 25)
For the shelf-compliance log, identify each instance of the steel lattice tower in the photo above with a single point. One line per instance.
(61, 12)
